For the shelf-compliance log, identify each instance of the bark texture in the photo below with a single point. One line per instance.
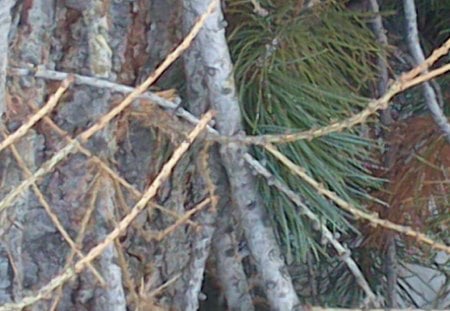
(211, 52)
(120, 41)
(6, 272)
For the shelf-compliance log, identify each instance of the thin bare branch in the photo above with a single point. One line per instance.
(44, 169)
(158, 290)
(126, 273)
(426, 76)
(382, 66)
(94, 190)
(405, 85)
(418, 56)
(44, 73)
(386, 119)
(343, 252)
(406, 81)
(420, 69)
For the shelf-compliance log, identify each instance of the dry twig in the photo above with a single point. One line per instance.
(406, 81)
(343, 252)
(372, 218)
(183, 219)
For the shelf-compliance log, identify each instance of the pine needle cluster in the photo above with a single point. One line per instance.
(297, 69)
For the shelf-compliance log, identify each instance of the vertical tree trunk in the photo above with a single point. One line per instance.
(117, 41)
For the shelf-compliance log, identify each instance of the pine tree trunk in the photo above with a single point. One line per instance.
(119, 41)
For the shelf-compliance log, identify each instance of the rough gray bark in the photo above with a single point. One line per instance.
(39, 238)
(212, 53)
(116, 41)
(23, 242)
(228, 266)
(5, 24)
